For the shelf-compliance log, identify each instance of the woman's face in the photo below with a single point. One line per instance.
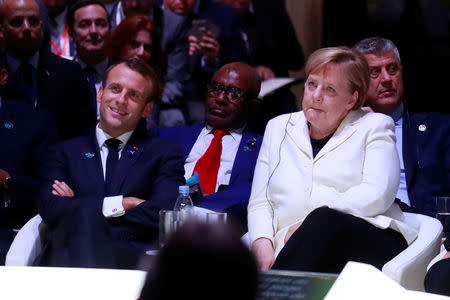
(140, 46)
(327, 100)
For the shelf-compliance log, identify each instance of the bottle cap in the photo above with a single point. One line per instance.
(184, 189)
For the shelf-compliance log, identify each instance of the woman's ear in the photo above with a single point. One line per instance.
(353, 100)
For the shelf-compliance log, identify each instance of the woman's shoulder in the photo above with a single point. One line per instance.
(285, 118)
(372, 118)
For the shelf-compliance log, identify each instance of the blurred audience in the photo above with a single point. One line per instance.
(214, 40)
(173, 35)
(60, 42)
(326, 177)
(273, 49)
(422, 139)
(136, 36)
(202, 261)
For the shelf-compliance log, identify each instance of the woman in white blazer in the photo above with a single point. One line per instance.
(326, 177)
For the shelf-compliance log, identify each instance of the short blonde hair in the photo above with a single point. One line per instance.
(355, 65)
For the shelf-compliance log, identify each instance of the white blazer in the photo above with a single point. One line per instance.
(356, 172)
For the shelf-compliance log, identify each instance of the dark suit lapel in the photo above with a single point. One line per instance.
(93, 165)
(44, 80)
(130, 155)
(244, 154)
(411, 156)
(191, 138)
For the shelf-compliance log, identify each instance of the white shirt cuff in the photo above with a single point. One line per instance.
(112, 207)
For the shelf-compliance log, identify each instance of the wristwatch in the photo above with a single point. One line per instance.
(7, 182)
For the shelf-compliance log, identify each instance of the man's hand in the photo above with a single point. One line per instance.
(264, 72)
(208, 47)
(3, 175)
(291, 230)
(263, 250)
(60, 188)
(131, 202)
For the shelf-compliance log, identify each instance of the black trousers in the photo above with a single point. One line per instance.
(437, 279)
(328, 239)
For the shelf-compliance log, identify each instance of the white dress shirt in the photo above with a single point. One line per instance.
(112, 206)
(230, 146)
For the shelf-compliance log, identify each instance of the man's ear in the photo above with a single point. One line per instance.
(100, 94)
(147, 109)
(3, 76)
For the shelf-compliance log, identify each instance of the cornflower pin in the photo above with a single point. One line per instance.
(132, 152)
(8, 125)
(251, 144)
(89, 154)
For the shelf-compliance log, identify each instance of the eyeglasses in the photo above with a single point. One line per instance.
(232, 93)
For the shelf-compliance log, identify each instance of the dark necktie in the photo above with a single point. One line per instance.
(91, 74)
(111, 163)
(26, 71)
(208, 165)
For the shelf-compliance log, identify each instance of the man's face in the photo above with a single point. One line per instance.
(180, 7)
(136, 6)
(123, 100)
(21, 27)
(90, 28)
(221, 111)
(55, 7)
(386, 82)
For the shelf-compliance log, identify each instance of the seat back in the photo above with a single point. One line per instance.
(409, 267)
(27, 244)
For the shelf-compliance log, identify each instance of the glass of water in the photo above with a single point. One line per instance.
(167, 225)
(216, 218)
(443, 212)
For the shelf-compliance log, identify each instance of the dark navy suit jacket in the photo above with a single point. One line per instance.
(149, 169)
(234, 199)
(63, 90)
(24, 135)
(426, 155)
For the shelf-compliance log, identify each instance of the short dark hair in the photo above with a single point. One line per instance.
(376, 46)
(76, 5)
(139, 66)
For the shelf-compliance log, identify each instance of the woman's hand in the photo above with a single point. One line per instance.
(263, 250)
(291, 230)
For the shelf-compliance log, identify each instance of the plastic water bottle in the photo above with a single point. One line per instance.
(183, 206)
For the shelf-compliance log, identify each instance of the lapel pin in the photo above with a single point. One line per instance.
(8, 125)
(422, 127)
(251, 144)
(132, 152)
(89, 154)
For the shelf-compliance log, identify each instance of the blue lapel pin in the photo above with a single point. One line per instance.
(89, 154)
(251, 144)
(8, 125)
(132, 152)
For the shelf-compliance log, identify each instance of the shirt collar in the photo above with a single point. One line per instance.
(235, 133)
(103, 136)
(14, 63)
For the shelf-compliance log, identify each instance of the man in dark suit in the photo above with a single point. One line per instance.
(44, 79)
(228, 104)
(104, 190)
(24, 132)
(422, 138)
